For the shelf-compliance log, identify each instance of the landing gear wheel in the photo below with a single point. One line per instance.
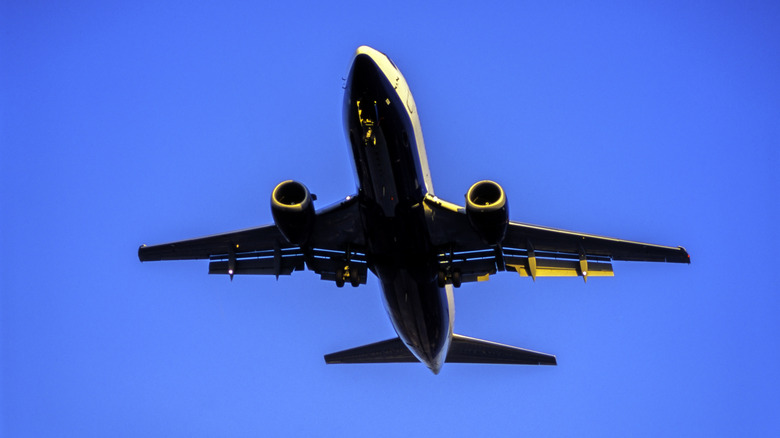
(456, 279)
(354, 279)
(441, 279)
(340, 277)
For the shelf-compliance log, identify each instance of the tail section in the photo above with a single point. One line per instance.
(463, 349)
(391, 350)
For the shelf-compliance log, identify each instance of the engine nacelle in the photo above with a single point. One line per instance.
(292, 207)
(488, 211)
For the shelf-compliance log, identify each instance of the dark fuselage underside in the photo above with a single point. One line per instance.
(391, 188)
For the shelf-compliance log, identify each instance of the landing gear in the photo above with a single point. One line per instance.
(367, 123)
(347, 273)
(340, 277)
(441, 279)
(354, 278)
(454, 277)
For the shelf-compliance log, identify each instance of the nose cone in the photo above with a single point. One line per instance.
(365, 77)
(370, 52)
(366, 58)
(364, 65)
(371, 62)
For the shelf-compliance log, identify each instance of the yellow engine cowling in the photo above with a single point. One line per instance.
(292, 207)
(488, 211)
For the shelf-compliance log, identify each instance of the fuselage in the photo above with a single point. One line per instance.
(393, 178)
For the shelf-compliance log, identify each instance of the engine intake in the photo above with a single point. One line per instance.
(293, 210)
(488, 211)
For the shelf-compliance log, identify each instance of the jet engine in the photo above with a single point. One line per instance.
(293, 210)
(488, 211)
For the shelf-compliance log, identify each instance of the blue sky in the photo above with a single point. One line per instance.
(141, 122)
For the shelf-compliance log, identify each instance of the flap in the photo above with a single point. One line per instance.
(559, 268)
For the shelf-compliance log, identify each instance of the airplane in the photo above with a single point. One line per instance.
(418, 245)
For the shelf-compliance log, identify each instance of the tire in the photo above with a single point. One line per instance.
(340, 277)
(354, 278)
(456, 279)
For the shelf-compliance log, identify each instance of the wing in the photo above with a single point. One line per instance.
(532, 250)
(337, 240)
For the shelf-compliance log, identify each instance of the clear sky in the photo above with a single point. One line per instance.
(124, 123)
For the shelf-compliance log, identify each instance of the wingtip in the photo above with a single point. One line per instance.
(687, 255)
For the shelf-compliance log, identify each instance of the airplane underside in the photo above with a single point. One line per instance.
(399, 252)
(419, 246)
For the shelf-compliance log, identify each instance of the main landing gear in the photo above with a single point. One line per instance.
(347, 274)
(449, 277)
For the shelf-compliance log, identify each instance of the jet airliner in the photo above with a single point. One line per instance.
(418, 245)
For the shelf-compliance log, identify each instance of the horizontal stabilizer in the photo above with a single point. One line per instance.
(471, 350)
(391, 350)
(463, 349)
